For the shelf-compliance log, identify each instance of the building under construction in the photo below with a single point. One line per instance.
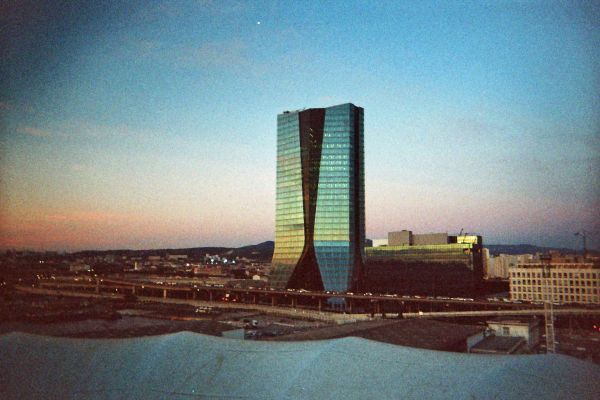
(434, 264)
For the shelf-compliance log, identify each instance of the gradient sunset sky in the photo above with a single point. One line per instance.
(153, 124)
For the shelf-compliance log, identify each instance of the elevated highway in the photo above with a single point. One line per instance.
(409, 307)
(501, 313)
(293, 298)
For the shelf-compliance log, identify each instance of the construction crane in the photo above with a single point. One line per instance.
(548, 299)
(462, 235)
(583, 235)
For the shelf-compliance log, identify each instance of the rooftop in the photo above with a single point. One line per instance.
(421, 333)
(515, 321)
(499, 345)
(186, 365)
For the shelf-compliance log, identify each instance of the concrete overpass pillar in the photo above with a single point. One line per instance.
(97, 285)
(164, 293)
(254, 298)
(273, 301)
(210, 295)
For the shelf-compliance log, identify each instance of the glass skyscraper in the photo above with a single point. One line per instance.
(320, 215)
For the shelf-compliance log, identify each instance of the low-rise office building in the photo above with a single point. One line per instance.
(568, 280)
(446, 265)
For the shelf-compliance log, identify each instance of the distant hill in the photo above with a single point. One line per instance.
(264, 251)
(261, 252)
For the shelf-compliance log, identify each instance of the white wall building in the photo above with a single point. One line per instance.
(529, 330)
(380, 242)
(499, 266)
(569, 282)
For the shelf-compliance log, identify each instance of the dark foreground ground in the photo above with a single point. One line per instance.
(106, 318)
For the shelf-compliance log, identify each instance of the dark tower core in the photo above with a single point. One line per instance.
(306, 275)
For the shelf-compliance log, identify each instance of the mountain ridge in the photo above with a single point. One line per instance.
(264, 251)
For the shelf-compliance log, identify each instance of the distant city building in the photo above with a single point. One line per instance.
(430, 238)
(439, 264)
(153, 260)
(79, 267)
(402, 238)
(209, 271)
(379, 242)
(499, 266)
(407, 238)
(320, 223)
(485, 255)
(570, 280)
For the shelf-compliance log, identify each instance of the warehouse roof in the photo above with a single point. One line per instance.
(499, 345)
(422, 333)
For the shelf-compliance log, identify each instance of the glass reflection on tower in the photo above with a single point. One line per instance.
(320, 225)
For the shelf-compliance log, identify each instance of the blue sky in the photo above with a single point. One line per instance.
(152, 124)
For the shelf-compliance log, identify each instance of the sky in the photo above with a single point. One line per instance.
(153, 124)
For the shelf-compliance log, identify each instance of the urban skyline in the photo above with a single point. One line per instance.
(151, 126)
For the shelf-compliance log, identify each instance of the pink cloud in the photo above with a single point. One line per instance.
(86, 216)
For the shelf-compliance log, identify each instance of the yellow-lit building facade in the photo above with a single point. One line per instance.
(432, 264)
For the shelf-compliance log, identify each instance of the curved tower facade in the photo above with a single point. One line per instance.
(320, 224)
